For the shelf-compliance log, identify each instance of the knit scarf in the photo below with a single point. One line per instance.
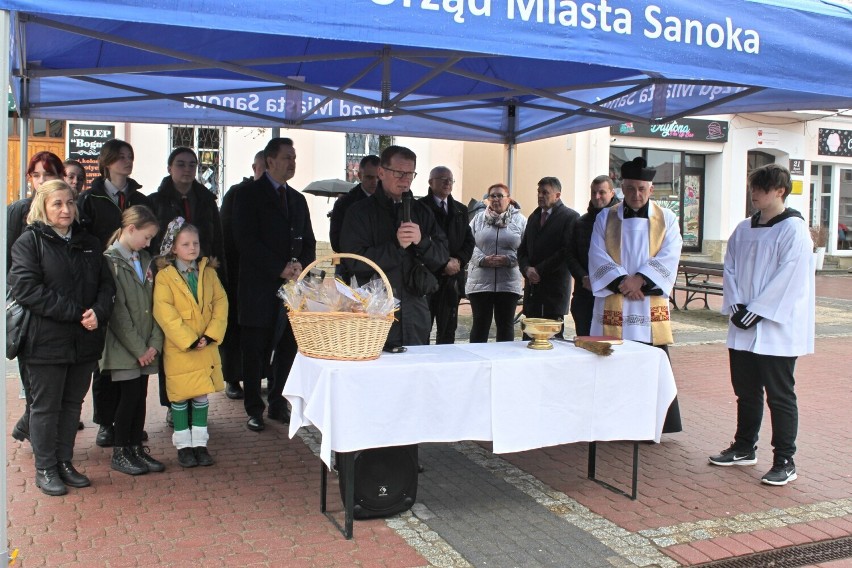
(499, 220)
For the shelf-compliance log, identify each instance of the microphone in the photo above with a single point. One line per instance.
(406, 207)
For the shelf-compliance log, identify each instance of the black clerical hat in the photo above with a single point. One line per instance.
(637, 169)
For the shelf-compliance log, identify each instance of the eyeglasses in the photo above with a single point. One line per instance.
(398, 174)
(497, 196)
(444, 180)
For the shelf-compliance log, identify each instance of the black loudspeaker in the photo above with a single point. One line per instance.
(385, 480)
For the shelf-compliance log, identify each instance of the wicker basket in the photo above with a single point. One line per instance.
(342, 336)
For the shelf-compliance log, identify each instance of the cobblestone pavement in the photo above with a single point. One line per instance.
(259, 505)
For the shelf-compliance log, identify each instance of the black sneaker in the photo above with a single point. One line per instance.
(186, 457)
(143, 454)
(735, 456)
(783, 470)
(202, 456)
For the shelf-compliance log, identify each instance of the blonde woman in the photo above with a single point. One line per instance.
(59, 274)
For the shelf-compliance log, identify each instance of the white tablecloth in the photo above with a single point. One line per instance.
(518, 398)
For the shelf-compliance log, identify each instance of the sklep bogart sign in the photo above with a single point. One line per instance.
(84, 145)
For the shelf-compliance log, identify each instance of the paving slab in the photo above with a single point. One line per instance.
(259, 505)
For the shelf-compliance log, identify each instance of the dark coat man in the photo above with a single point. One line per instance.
(231, 353)
(444, 304)
(543, 254)
(367, 173)
(582, 300)
(374, 228)
(275, 239)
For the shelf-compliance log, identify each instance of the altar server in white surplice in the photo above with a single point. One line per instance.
(633, 265)
(769, 296)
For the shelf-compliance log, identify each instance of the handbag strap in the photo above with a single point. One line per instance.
(39, 246)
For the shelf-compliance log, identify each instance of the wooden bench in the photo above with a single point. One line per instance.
(697, 280)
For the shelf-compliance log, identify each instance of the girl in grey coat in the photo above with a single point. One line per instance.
(494, 282)
(134, 341)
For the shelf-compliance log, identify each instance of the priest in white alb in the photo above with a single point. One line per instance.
(633, 262)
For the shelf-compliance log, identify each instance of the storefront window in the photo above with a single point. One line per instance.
(678, 186)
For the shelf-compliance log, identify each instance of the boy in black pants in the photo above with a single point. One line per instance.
(769, 295)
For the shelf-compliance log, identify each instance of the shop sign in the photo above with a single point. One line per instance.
(683, 129)
(797, 167)
(84, 145)
(835, 142)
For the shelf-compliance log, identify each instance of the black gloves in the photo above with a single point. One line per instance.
(743, 318)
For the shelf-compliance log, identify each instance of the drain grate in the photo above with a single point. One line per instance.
(791, 557)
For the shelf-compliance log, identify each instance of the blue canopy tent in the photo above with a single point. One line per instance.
(488, 70)
(504, 71)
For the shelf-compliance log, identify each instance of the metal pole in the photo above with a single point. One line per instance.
(510, 167)
(24, 129)
(511, 114)
(4, 167)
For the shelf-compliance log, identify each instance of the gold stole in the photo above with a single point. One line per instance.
(661, 329)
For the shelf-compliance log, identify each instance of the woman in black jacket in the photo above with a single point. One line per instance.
(59, 274)
(43, 167)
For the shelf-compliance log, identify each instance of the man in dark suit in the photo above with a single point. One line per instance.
(231, 351)
(377, 228)
(369, 177)
(452, 219)
(275, 239)
(543, 254)
(582, 300)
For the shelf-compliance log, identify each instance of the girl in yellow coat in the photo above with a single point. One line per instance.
(191, 307)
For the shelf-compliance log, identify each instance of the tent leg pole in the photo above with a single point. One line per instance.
(510, 167)
(5, 27)
(24, 129)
